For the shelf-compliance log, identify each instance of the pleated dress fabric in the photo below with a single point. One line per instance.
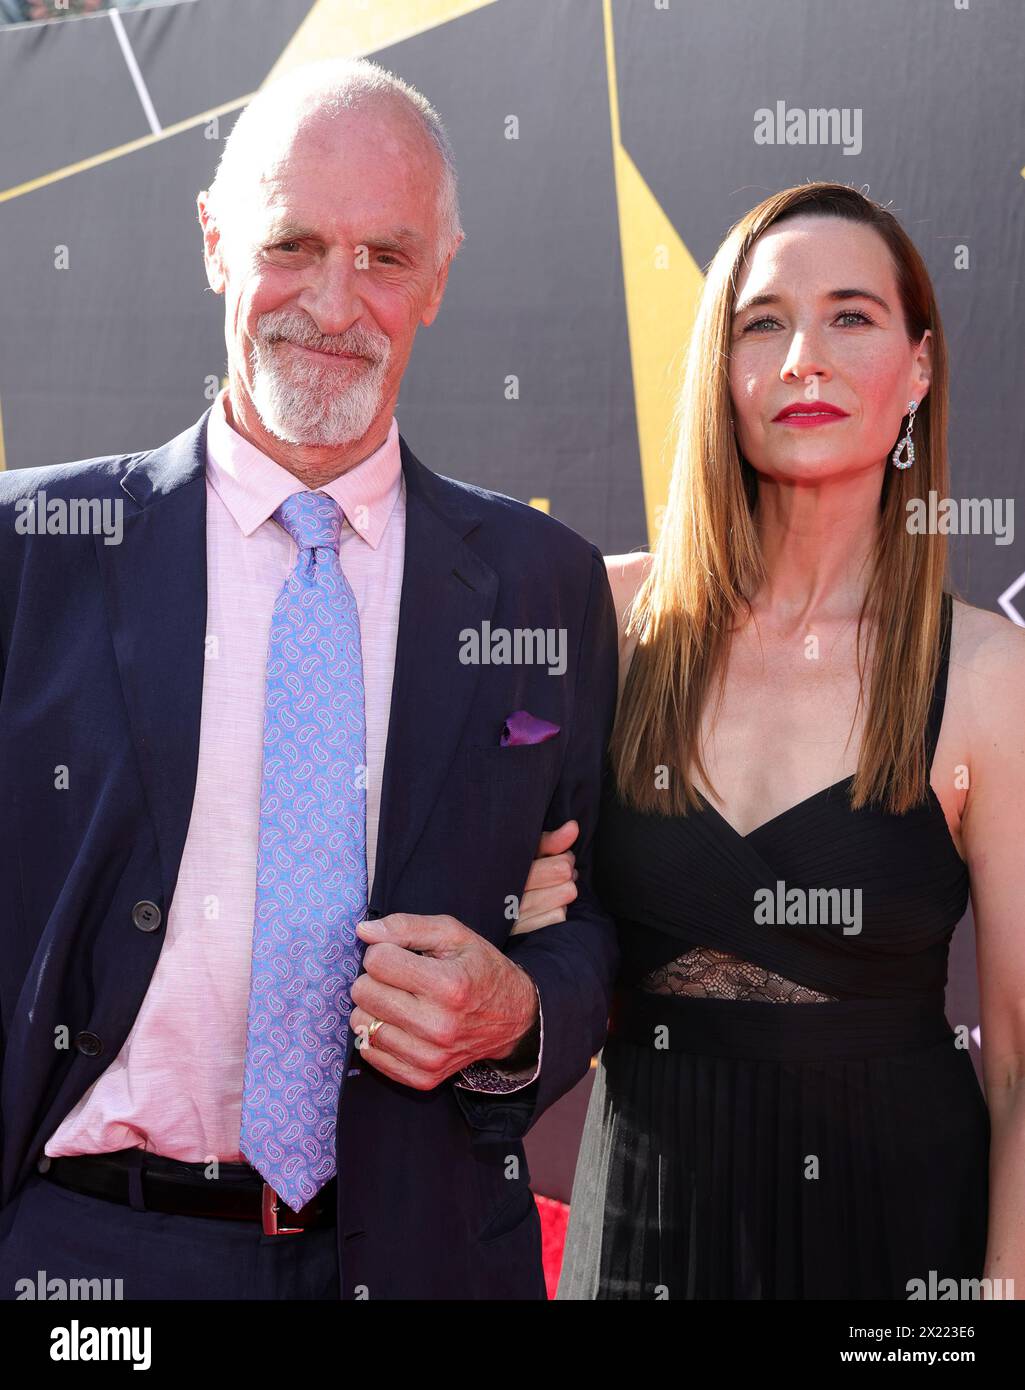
(739, 1149)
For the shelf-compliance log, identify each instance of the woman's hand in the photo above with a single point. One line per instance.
(551, 883)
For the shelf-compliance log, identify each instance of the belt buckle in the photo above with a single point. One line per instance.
(270, 1205)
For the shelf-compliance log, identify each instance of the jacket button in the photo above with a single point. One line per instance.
(88, 1044)
(43, 1164)
(146, 915)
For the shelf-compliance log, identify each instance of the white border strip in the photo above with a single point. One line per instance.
(133, 68)
(1005, 600)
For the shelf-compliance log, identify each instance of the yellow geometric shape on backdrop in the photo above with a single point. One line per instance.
(662, 283)
(353, 28)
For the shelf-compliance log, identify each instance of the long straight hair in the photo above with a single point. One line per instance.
(707, 563)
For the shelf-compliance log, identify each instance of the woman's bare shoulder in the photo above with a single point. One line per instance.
(987, 660)
(626, 575)
(986, 642)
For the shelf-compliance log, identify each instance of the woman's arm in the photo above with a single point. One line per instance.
(550, 885)
(626, 574)
(991, 665)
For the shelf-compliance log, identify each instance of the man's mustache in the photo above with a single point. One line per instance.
(359, 347)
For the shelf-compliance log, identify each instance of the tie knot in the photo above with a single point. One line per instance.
(311, 519)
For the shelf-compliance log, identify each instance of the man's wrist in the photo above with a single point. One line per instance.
(524, 1050)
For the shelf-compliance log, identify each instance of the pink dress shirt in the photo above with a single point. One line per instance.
(175, 1088)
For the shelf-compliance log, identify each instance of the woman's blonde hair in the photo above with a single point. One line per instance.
(707, 563)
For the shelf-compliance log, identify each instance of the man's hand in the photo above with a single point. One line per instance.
(446, 998)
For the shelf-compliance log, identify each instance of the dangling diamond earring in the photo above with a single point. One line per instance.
(905, 441)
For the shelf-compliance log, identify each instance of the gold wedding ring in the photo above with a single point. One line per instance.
(377, 1023)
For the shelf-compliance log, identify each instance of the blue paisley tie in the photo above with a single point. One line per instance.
(311, 877)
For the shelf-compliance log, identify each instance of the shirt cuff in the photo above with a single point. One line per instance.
(495, 1079)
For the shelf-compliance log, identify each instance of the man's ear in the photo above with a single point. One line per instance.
(430, 312)
(212, 246)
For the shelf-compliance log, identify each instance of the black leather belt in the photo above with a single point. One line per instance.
(132, 1177)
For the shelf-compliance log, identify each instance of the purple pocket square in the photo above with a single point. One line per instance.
(521, 728)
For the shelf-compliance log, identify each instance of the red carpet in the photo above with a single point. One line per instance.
(554, 1216)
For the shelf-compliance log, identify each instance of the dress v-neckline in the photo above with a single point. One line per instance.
(810, 800)
(790, 810)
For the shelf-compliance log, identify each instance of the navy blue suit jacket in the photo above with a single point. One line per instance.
(102, 651)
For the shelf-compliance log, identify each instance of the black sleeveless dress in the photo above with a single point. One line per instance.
(781, 1109)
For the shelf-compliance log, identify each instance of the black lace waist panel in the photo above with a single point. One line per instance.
(733, 965)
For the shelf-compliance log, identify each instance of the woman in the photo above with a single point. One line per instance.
(816, 752)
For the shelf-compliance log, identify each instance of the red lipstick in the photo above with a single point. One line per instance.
(807, 414)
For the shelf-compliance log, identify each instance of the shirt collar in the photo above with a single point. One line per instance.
(252, 486)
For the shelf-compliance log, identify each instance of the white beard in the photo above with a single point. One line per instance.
(302, 400)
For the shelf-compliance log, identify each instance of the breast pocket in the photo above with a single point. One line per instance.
(517, 763)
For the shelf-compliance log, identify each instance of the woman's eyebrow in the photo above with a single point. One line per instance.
(757, 300)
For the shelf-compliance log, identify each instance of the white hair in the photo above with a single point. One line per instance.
(329, 87)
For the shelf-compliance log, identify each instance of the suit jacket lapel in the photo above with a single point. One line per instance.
(445, 587)
(155, 590)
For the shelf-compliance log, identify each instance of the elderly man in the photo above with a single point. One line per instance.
(250, 754)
